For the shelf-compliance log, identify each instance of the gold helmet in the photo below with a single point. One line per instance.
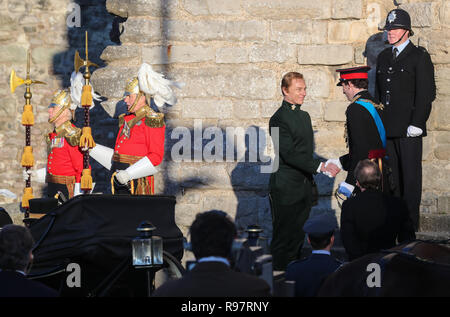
(132, 87)
(61, 98)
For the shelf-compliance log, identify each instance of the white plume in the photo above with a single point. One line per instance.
(76, 87)
(155, 84)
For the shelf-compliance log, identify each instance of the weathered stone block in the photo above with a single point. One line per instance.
(442, 76)
(222, 200)
(422, 14)
(344, 9)
(206, 108)
(314, 109)
(436, 42)
(325, 54)
(272, 53)
(301, 31)
(231, 55)
(12, 53)
(445, 13)
(140, 30)
(227, 82)
(209, 30)
(317, 82)
(436, 175)
(286, 9)
(45, 55)
(212, 7)
(247, 175)
(110, 81)
(246, 109)
(347, 32)
(439, 119)
(153, 8)
(443, 204)
(335, 111)
(442, 152)
(125, 52)
(269, 107)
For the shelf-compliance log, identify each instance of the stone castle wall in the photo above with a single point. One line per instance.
(231, 56)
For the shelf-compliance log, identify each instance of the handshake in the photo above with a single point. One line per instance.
(331, 167)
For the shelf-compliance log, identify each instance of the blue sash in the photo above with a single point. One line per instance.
(376, 118)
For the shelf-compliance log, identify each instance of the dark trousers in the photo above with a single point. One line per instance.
(405, 160)
(288, 235)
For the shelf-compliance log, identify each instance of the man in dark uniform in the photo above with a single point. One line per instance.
(291, 185)
(212, 235)
(405, 85)
(309, 273)
(365, 134)
(372, 221)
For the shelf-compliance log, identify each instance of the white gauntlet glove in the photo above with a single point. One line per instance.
(123, 177)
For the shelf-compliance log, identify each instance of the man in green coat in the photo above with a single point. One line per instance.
(291, 184)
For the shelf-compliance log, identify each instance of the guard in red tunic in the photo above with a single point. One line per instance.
(140, 142)
(65, 159)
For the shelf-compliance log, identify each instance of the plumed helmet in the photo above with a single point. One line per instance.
(153, 83)
(398, 19)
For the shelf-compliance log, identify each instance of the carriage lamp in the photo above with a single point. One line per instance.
(254, 238)
(147, 248)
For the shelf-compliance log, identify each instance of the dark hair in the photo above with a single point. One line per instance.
(358, 83)
(320, 241)
(368, 174)
(287, 79)
(212, 234)
(16, 243)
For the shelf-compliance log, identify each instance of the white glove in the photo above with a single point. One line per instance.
(77, 189)
(26, 174)
(414, 131)
(38, 175)
(336, 162)
(123, 177)
(346, 189)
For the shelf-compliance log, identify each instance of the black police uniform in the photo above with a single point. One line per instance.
(406, 87)
(310, 273)
(291, 185)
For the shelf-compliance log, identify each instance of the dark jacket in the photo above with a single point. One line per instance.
(309, 273)
(292, 181)
(406, 88)
(214, 279)
(15, 284)
(372, 221)
(362, 134)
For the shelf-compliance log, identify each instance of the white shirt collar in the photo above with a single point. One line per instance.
(214, 259)
(401, 47)
(321, 252)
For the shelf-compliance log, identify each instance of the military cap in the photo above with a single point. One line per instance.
(321, 224)
(398, 19)
(359, 72)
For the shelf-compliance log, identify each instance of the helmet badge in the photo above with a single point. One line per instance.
(392, 16)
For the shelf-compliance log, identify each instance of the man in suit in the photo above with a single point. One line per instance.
(291, 184)
(405, 85)
(365, 134)
(16, 243)
(212, 235)
(372, 221)
(309, 273)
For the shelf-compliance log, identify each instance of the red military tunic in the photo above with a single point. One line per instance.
(140, 135)
(65, 160)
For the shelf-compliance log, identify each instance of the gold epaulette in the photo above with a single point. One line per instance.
(376, 105)
(70, 133)
(155, 120)
(121, 119)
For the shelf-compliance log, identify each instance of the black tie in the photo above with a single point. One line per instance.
(395, 54)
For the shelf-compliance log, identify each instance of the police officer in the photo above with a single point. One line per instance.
(309, 273)
(365, 134)
(406, 87)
